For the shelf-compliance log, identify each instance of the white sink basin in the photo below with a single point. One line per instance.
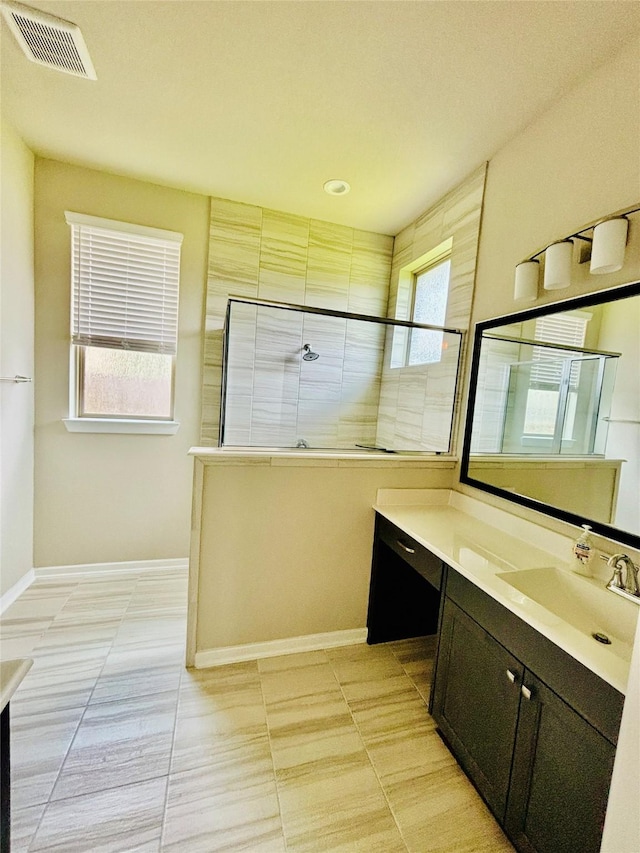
(584, 603)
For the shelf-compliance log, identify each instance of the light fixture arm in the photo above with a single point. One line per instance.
(580, 235)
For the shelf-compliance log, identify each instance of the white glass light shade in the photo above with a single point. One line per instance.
(609, 242)
(526, 283)
(557, 265)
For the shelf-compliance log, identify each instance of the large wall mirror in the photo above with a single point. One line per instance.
(554, 411)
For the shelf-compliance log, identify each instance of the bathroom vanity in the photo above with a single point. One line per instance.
(529, 703)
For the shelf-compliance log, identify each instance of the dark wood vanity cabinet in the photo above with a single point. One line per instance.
(404, 594)
(540, 752)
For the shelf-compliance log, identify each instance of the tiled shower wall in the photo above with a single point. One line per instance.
(266, 254)
(415, 409)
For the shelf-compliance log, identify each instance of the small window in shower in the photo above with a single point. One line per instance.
(430, 295)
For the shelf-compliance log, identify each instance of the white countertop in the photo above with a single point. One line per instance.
(11, 674)
(479, 551)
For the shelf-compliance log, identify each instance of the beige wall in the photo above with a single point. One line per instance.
(579, 161)
(295, 555)
(16, 357)
(104, 498)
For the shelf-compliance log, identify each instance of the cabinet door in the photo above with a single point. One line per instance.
(561, 774)
(475, 703)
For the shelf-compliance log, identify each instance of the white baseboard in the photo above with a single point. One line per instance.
(88, 569)
(272, 648)
(19, 587)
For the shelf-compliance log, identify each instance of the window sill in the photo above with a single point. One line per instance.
(121, 425)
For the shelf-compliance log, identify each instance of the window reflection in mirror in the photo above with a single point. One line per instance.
(554, 417)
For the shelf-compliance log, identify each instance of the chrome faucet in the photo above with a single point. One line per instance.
(629, 586)
(302, 443)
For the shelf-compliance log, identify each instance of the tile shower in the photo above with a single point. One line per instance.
(296, 376)
(352, 393)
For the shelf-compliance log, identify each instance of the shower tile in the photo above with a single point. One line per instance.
(429, 231)
(370, 271)
(274, 423)
(234, 242)
(283, 257)
(237, 422)
(464, 203)
(328, 265)
(318, 423)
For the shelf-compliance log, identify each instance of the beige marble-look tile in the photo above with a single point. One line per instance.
(310, 729)
(39, 744)
(24, 823)
(234, 244)
(215, 720)
(417, 658)
(60, 679)
(383, 707)
(42, 606)
(208, 812)
(118, 820)
(118, 743)
(336, 806)
(328, 265)
(440, 812)
(130, 672)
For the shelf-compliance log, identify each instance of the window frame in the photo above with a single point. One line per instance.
(438, 261)
(78, 420)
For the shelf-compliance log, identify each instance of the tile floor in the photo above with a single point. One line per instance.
(117, 747)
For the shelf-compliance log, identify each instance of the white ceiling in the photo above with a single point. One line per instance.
(263, 101)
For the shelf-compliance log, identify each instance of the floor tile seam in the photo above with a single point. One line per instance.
(411, 679)
(171, 753)
(39, 823)
(377, 775)
(271, 756)
(104, 663)
(77, 728)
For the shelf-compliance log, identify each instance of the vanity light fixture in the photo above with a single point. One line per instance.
(609, 244)
(337, 186)
(557, 265)
(527, 276)
(603, 243)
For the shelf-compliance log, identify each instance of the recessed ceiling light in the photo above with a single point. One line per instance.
(337, 187)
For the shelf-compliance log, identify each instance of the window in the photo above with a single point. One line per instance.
(547, 373)
(124, 323)
(430, 294)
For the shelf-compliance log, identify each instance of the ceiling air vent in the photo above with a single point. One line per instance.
(48, 40)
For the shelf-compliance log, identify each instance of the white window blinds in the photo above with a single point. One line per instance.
(565, 329)
(124, 285)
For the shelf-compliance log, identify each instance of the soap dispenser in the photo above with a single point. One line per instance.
(583, 552)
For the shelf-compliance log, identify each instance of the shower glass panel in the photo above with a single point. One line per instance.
(309, 377)
(557, 405)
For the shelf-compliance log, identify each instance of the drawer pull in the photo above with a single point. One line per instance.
(405, 547)
(511, 676)
(525, 692)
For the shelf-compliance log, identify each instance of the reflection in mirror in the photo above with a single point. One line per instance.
(554, 419)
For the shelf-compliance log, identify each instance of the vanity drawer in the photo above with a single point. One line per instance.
(412, 552)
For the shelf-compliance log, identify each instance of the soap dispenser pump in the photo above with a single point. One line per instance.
(583, 552)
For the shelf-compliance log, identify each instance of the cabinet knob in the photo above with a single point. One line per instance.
(525, 692)
(406, 547)
(511, 676)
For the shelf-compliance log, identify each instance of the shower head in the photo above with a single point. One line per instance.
(309, 354)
